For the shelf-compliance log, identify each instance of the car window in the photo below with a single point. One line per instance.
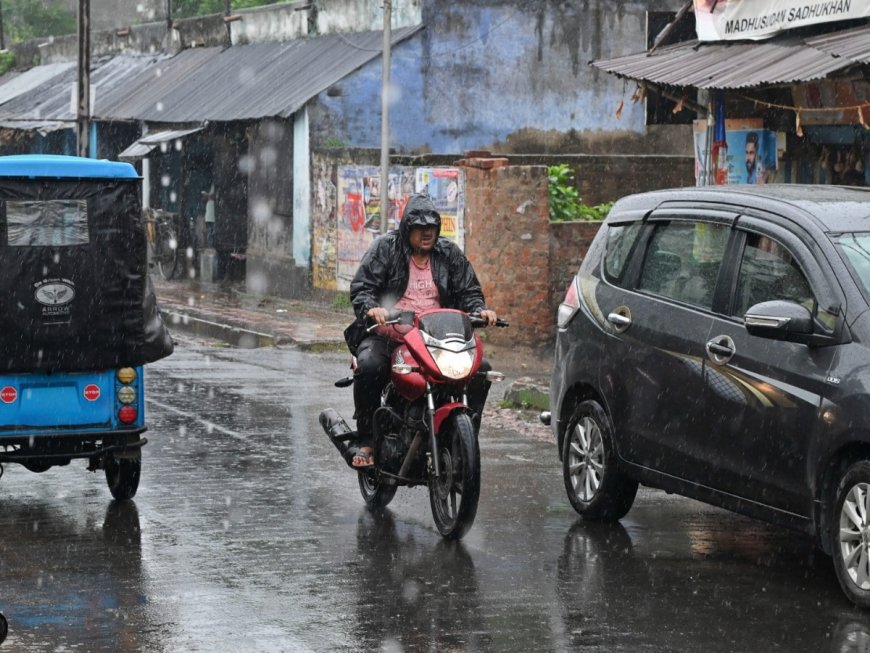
(683, 261)
(620, 239)
(768, 271)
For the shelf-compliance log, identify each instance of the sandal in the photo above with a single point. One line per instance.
(364, 457)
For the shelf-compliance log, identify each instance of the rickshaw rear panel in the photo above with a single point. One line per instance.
(78, 316)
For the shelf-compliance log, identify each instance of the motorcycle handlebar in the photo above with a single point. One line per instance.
(396, 317)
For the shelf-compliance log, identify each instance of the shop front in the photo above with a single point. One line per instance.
(779, 89)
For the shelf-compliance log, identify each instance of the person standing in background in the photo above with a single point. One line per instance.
(209, 196)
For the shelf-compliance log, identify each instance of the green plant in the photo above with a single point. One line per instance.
(7, 61)
(333, 142)
(566, 204)
(342, 301)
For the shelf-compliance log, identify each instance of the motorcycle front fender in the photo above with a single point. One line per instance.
(445, 411)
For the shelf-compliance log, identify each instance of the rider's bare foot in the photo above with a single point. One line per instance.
(364, 457)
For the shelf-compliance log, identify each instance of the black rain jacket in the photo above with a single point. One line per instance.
(383, 275)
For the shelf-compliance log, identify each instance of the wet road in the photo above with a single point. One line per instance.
(248, 534)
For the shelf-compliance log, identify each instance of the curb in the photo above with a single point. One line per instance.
(241, 338)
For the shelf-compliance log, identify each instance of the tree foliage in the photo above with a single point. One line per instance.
(189, 8)
(565, 202)
(28, 19)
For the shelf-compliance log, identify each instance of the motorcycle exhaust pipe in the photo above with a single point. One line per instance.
(338, 432)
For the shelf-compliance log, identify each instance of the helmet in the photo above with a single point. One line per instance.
(419, 212)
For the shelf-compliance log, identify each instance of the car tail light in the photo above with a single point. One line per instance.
(569, 306)
(127, 414)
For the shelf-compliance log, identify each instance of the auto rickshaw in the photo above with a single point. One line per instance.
(78, 316)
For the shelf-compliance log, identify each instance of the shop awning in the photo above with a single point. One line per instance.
(782, 60)
(143, 147)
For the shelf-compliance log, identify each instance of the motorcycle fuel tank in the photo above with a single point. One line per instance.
(410, 386)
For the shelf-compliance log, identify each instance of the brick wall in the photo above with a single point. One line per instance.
(507, 239)
(569, 242)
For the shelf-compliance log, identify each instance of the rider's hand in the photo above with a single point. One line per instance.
(490, 316)
(378, 314)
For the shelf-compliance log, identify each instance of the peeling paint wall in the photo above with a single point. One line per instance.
(362, 15)
(503, 76)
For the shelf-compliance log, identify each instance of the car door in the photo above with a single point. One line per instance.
(764, 395)
(662, 318)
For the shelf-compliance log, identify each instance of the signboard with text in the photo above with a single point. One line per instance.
(727, 20)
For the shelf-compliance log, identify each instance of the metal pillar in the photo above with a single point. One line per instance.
(385, 118)
(83, 108)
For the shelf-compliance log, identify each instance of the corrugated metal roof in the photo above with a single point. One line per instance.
(244, 82)
(852, 44)
(723, 65)
(41, 126)
(52, 99)
(14, 84)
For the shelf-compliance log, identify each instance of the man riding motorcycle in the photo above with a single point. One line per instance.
(411, 268)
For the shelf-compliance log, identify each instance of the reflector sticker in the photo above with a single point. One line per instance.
(8, 394)
(92, 392)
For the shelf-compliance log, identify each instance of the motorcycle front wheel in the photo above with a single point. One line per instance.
(454, 495)
(375, 492)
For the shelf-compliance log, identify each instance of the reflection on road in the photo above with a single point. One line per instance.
(414, 595)
(629, 588)
(60, 577)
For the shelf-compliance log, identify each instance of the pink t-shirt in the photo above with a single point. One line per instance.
(420, 295)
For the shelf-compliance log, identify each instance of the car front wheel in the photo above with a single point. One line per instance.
(850, 533)
(597, 490)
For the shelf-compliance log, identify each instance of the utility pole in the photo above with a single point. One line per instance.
(385, 118)
(168, 14)
(83, 109)
(2, 40)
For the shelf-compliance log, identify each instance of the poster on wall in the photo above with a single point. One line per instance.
(443, 186)
(359, 200)
(748, 154)
(723, 20)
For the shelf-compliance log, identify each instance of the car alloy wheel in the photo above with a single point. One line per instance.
(855, 534)
(597, 489)
(586, 458)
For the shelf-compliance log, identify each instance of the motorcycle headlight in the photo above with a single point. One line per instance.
(454, 365)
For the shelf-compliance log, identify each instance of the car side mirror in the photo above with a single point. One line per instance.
(780, 320)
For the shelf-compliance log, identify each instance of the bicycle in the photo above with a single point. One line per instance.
(161, 228)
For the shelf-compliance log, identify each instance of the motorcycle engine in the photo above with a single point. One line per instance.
(390, 446)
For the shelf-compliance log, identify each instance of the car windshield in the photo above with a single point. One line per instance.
(855, 246)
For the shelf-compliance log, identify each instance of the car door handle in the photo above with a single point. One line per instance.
(620, 318)
(721, 349)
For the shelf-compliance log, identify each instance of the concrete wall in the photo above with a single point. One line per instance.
(332, 16)
(270, 267)
(506, 77)
(276, 22)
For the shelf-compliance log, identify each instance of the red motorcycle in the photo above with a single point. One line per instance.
(423, 433)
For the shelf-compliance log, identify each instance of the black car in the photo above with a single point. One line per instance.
(716, 343)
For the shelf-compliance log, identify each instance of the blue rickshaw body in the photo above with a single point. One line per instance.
(78, 316)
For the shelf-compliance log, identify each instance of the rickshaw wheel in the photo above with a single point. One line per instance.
(122, 476)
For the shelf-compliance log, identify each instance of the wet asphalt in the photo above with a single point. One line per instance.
(249, 534)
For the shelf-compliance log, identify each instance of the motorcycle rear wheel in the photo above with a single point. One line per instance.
(375, 492)
(454, 496)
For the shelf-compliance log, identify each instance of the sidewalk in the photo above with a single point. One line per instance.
(225, 313)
